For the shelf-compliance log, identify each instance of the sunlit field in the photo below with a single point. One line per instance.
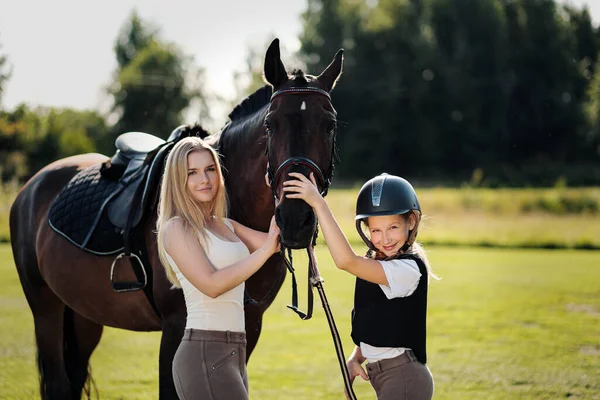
(503, 324)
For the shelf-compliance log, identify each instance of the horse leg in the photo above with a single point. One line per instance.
(254, 316)
(81, 336)
(64, 340)
(172, 332)
(48, 314)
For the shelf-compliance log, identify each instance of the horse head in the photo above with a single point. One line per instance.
(301, 126)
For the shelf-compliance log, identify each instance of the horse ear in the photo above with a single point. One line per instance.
(275, 72)
(333, 71)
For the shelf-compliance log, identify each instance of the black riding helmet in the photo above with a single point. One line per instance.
(387, 195)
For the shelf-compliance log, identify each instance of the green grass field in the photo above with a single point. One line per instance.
(503, 324)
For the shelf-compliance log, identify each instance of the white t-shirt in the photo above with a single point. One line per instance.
(403, 278)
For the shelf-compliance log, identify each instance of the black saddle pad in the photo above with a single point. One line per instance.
(79, 213)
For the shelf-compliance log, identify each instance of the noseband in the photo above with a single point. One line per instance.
(323, 181)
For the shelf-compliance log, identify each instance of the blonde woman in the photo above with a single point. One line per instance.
(209, 257)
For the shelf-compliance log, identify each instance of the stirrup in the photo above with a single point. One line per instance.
(128, 286)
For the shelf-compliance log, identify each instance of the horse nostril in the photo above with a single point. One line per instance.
(308, 219)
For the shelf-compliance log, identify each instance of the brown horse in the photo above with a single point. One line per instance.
(290, 123)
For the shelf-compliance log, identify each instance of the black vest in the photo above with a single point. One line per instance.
(399, 322)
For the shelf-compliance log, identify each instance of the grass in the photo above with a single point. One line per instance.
(503, 324)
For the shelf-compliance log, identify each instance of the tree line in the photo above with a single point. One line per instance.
(490, 92)
(152, 86)
(493, 92)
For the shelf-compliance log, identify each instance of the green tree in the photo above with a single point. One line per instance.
(33, 138)
(471, 38)
(154, 82)
(439, 89)
(133, 38)
(546, 100)
(12, 157)
(323, 31)
(380, 92)
(585, 39)
(592, 136)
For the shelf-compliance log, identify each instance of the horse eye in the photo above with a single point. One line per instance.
(268, 128)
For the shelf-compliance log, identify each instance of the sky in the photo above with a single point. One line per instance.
(61, 51)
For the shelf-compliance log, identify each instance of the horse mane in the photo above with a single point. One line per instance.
(195, 130)
(262, 96)
(252, 103)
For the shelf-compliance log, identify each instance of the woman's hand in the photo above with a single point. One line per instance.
(302, 188)
(272, 243)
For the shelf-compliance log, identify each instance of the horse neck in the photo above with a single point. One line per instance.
(241, 138)
(243, 147)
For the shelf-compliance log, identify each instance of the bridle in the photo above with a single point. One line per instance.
(323, 180)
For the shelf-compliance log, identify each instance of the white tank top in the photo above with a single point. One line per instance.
(226, 312)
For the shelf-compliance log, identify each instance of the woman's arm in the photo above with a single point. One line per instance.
(343, 256)
(191, 260)
(253, 239)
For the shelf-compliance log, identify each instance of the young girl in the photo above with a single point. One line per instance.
(390, 298)
(209, 257)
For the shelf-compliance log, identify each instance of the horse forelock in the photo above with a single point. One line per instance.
(300, 78)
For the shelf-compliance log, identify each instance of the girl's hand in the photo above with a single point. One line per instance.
(355, 369)
(302, 188)
(272, 243)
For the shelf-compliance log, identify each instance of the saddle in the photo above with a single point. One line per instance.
(100, 209)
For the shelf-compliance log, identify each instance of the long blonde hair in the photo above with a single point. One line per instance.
(176, 202)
